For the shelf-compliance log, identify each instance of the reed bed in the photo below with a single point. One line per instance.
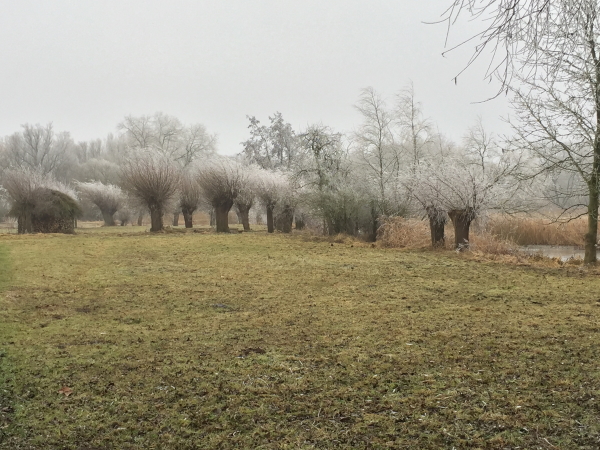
(495, 238)
(537, 230)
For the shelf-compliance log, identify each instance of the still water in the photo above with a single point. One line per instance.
(564, 252)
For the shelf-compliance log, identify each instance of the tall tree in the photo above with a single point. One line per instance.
(221, 180)
(378, 152)
(167, 135)
(510, 34)
(153, 179)
(271, 147)
(557, 103)
(415, 129)
(41, 149)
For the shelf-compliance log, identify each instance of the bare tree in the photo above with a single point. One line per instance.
(271, 147)
(376, 147)
(190, 194)
(107, 197)
(511, 34)
(220, 180)
(415, 130)
(167, 135)
(39, 148)
(557, 104)
(153, 179)
(269, 187)
(247, 194)
(196, 143)
(428, 192)
(464, 189)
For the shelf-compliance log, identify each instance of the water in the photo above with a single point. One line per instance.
(564, 252)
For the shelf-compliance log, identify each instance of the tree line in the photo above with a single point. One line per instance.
(394, 163)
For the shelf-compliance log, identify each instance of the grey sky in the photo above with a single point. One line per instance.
(85, 65)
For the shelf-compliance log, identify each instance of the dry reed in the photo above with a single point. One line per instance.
(497, 234)
(537, 231)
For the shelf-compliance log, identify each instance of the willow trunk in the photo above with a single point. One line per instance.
(156, 218)
(222, 216)
(188, 218)
(270, 222)
(244, 216)
(591, 237)
(461, 219)
(109, 219)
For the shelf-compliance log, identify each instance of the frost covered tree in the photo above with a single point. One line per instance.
(41, 149)
(98, 169)
(377, 151)
(247, 193)
(428, 193)
(20, 186)
(221, 179)
(464, 189)
(107, 197)
(152, 179)
(557, 106)
(166, 134)
(190, 194)
(325, 176)
(269, 186)
(512, 32)
(415, 130)
(271, 147)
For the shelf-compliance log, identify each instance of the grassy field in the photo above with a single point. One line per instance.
(118, 339)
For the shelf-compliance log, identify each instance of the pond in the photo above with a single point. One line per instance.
(564, 252)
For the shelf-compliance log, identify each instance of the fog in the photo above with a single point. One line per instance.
(84, 66)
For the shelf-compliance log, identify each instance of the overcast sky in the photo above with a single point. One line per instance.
(85, 65)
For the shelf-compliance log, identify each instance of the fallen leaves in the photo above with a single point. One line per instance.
(66, 391)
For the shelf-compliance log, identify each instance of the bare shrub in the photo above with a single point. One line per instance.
(107, 197)
(152, 179)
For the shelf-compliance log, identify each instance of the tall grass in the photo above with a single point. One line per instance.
(537, 231)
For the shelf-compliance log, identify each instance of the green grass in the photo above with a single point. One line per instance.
(197, 340)
(4, 266)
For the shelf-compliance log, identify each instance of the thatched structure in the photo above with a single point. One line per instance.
(49, 211)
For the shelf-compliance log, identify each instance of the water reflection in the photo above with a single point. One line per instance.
(564, 252)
